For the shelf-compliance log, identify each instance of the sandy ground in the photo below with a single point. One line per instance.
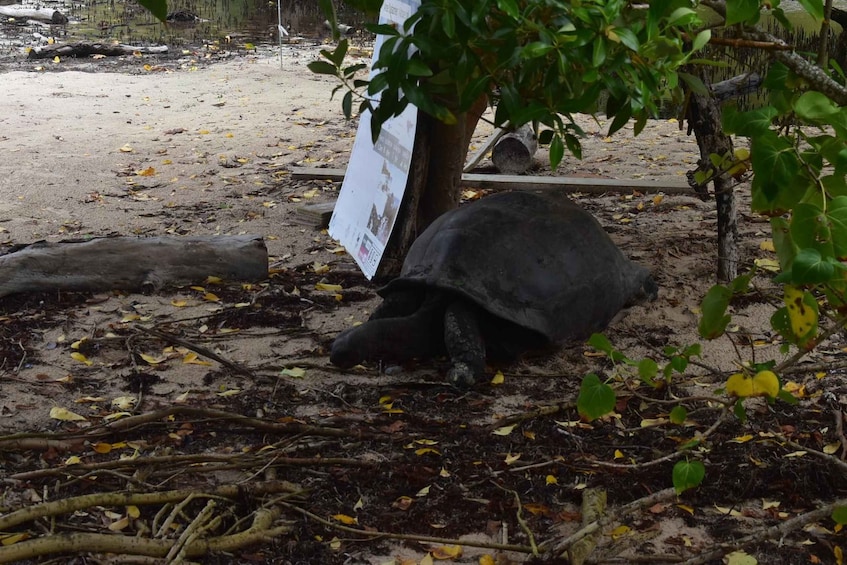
(209, 151)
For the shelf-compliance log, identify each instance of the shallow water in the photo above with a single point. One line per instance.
(223, 21)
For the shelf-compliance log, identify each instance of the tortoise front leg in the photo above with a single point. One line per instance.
(465, 344)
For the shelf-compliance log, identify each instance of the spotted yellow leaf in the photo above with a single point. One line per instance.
(802, 312)
(124, 402)
(763, 383)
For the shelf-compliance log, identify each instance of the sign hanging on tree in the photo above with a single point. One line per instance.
(375, 181)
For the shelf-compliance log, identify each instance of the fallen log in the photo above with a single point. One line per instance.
(514, 152)
(20, 12)
(736, 86)
(132, 263)
(86, 49)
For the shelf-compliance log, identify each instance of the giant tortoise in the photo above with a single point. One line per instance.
(508, 273)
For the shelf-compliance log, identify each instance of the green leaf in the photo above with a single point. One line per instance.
(557, 151)
(595, 398)
(678, 415)
(815, 107)
(750, 123)
(694, 83)
(647, 370)
(810, 228)
(701, 40)
(602, 343)
(347, 104)
(510, 7)
(776, 165)
(837, 214)
(738, 11)
(418, 68)
(535, 49)
(839, 515)
(714, 320)
(322, 68)
(814, 8)
(809, 268)
(599, 54)
(687, 475)
(739, 411)
(159, 8)
(328, 8)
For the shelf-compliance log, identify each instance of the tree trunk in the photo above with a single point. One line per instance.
(434, 181)
(704, 118)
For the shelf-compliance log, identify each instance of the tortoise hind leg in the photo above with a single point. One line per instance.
(465, 344)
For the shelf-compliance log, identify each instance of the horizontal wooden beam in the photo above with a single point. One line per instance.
(522, 182)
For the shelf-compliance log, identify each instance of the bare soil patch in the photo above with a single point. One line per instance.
(209, 150)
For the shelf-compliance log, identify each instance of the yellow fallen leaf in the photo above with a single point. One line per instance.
(65, 415)
(179, 303)
(73, 460)
(511, 458)
(124, 402)
(504, 431)
(126, 149)
(771, 265)
(426, 450)
(12, 539)
(77, 356)
(619, 454)
(192, 358)
(320, 268)
(487, 560)
(102, 448)
(153, 360)
(119, 525)
(56, 59)
(345, 519)
(498, 378)
(767, 245)
(211, 297)
(230, 392)
(551, 480)
(686, 508)
(741, 439)
(423, 492)
(445, 552)
(831, 448)
(800, 453)
(148, 172)
(296, 372)
(619, 531)
(328, 287)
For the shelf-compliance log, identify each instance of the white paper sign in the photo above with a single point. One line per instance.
(373, 187)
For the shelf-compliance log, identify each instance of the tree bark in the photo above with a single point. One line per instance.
(704, 118)
(434, 181)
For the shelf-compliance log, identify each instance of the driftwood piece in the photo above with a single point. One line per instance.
(736, 86)
(514, 152)
(132, 263)
(86, 49)
(517, 182)
(20, 12)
